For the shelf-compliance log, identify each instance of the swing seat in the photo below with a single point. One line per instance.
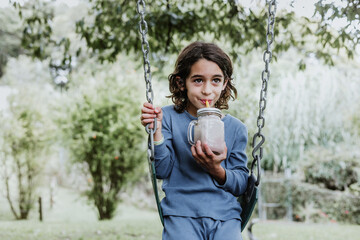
(248, 201)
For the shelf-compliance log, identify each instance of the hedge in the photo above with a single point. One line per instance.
(333, 205)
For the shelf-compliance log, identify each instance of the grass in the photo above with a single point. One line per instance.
(72, 219)
(109, 230)
(281, 230)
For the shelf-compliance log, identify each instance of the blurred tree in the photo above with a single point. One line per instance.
(10, 36)
(334, 171)
(111, 27)
(106, 138)
(24, 138)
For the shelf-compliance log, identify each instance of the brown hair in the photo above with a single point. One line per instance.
(187, 57)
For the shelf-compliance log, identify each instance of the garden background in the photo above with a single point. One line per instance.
(71, 89)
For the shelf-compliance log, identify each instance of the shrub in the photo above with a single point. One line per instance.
(333, 169)
(25, 138)
(106, 138)
(327, 204)
(310, 202)
(335, 175)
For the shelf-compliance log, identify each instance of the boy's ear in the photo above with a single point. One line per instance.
(180, 83)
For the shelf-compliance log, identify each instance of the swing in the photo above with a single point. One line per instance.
(249, 199)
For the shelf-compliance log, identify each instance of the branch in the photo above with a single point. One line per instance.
(8, 197)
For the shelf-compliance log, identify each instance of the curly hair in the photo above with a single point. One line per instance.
(187, 57)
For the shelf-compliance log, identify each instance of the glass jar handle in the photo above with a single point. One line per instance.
(190, 132)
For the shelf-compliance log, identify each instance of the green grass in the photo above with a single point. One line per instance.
(280, 230)
(109, 230)
(72, 219)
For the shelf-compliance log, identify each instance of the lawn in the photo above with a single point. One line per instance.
(72, 219)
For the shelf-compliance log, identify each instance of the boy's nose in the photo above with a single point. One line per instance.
(206, 90)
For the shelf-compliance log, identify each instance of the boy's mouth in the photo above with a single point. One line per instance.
(203, 101)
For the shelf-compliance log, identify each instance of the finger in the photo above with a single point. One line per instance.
(198, 149)
(147, 110)
(147, 121)
(147, 116)
(157, 110)
(148, 105)
(208, 151)
(193, 151)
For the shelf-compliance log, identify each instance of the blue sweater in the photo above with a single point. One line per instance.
(190, 190)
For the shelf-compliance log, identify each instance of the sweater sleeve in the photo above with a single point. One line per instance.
(164, 161)
(236, 169)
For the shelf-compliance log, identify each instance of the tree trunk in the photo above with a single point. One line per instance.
(8, 195)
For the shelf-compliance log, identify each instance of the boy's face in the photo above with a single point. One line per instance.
(205, 82)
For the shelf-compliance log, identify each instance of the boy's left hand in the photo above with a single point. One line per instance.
(210, 161)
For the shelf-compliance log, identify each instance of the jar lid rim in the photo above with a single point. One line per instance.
(205, 110)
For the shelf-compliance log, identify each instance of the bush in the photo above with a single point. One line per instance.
(324, 204)
(25, 140)
(106, 139)
(331, 169)
(335, 175)
(310, 202)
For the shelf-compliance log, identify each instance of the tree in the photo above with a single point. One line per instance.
(111, 27)
(106, 138)
(24, 140)
(10, 36)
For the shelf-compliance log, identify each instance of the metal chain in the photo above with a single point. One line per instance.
(259, 138)
(143, 28)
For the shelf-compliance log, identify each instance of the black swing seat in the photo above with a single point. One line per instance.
(248, 201)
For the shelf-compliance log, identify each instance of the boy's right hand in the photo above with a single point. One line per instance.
(148, 114)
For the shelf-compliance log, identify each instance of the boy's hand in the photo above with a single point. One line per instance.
(210, 161)
(148, 114)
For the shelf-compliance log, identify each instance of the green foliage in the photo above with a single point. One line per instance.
(346, 34)
(336, 171)
(326, 205)
(355, 121)
(309, 202)
(25, 139)
(306, 111)
(114, 28)
(111, 28)
(38, 37)
(10, 36)
(106, 138)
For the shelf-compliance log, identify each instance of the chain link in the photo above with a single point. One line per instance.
(259, 138)
(143, 29)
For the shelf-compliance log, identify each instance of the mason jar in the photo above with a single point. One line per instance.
(208, 128)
